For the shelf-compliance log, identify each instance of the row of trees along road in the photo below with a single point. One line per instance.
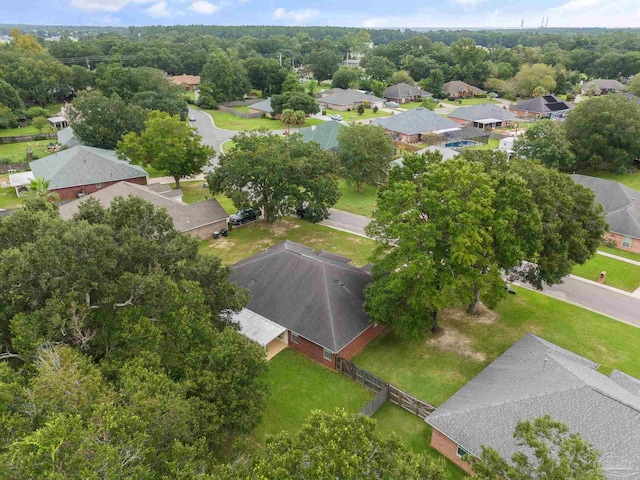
(448, 231)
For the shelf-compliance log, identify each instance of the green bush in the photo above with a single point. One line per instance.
(360, 109)
(34, 112)
(375, 109)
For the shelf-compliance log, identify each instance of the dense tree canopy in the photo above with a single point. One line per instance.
(297, 101)
(346, 78)
(101, 121)
(604, 133)
(546, 141)
(118, 356)
(531, 77)
(550, 451)
(222, 80)
(334, 445)
(323, 64)
(277, 174)
(167, 144)
(265, 74)
(365, 153)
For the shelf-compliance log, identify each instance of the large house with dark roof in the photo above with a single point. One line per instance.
(316, 296)
(198, 219)
(544, 106)
(343, 100)
(535, 378)
(81, 170)
(484, 116)
(459, 89)
(410, 125)
(621, 206)
(404, 93)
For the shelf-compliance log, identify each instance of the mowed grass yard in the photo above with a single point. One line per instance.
(298, 386)
(464, 102)
(620, 253)
(631, 180)
(228, 121)
(434, 368)
(363, 203)
(353, 115)
(491, 145)
(194, 191)
(17, 152)
(620, 274)
(18, 132)
(9, 199)
(255, 237)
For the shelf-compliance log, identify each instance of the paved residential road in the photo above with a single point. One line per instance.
(211, 135)
(348, 222)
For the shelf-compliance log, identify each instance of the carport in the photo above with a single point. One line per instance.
(261, 330)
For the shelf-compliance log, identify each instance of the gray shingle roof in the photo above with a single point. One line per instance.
(474, 113)
(416, 121)
(456, 86)
(68, 137)
(542, 104)
(533, 378)
(404, 90)
(82, 165)
(316, 296)
(621, 204)
(348, 97)
(263, 106)
(185, 217)
(603, 84)
(325, 134)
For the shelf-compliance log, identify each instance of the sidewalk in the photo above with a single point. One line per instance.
(636, 293)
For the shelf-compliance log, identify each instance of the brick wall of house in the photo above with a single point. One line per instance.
(358, 343)
(525, 114)
(205, 232)
(618, 239)
(460, 121)
(311, 350)
(71, 193)
(448, 448)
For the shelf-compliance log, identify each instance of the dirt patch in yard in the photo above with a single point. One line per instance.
(460, 316)
(449, 339)
(281, 227)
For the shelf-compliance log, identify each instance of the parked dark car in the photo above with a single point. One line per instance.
(244, 216)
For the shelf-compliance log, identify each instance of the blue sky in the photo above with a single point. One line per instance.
(355, 13)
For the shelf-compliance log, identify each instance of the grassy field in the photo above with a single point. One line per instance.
(352, 116)
(226, 146)
(231, 122)
(622, 275)
(28, 130)
(434, 368)
(9, 199)
(415, 434)
(361, 203)
(298, 386)
(491, 145)
(242, 108)
(631, 180)
(16, 152)
(53, 108)
(470, 101)
(193, 191)
(620, 253)
(250, 239)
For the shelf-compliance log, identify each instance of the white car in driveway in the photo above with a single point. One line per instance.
(337, 118)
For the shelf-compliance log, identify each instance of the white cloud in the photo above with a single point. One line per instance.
(159, 10)
(577, 5)
(204, 7)
(467, 2)
(106, 5)
(106, 20)
(296, 16)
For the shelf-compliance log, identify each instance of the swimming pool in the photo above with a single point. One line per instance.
(462, 144)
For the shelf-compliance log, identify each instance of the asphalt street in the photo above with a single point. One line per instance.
(211, 135)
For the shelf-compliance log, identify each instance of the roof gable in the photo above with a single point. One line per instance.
(316, 296)
(416, 121)
(348, 97)
(263, 106)
(533, 378)
(404, 90)
(325, 134)
(82, 165)
(456, 86)
(474, 113)
(542, 104)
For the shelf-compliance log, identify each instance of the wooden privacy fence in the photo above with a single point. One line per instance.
(384, 391)
(14, 167)
(28, 138)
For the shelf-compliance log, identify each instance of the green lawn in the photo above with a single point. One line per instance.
(242, 108)
(298, 386)
(631, 180)
(470, 101)
(154, 173)
(226, 146)
(190, 94)
(53, 108)
(361, 203)
(620, 253)
(9, 199)
(353, 114)
(491, 145)
(17, 152)
(193, 191)
(250, 239)
(434, 373)
(410, 105)
(28, 130)
(415, 434)
(231, 122)
(623, 275)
